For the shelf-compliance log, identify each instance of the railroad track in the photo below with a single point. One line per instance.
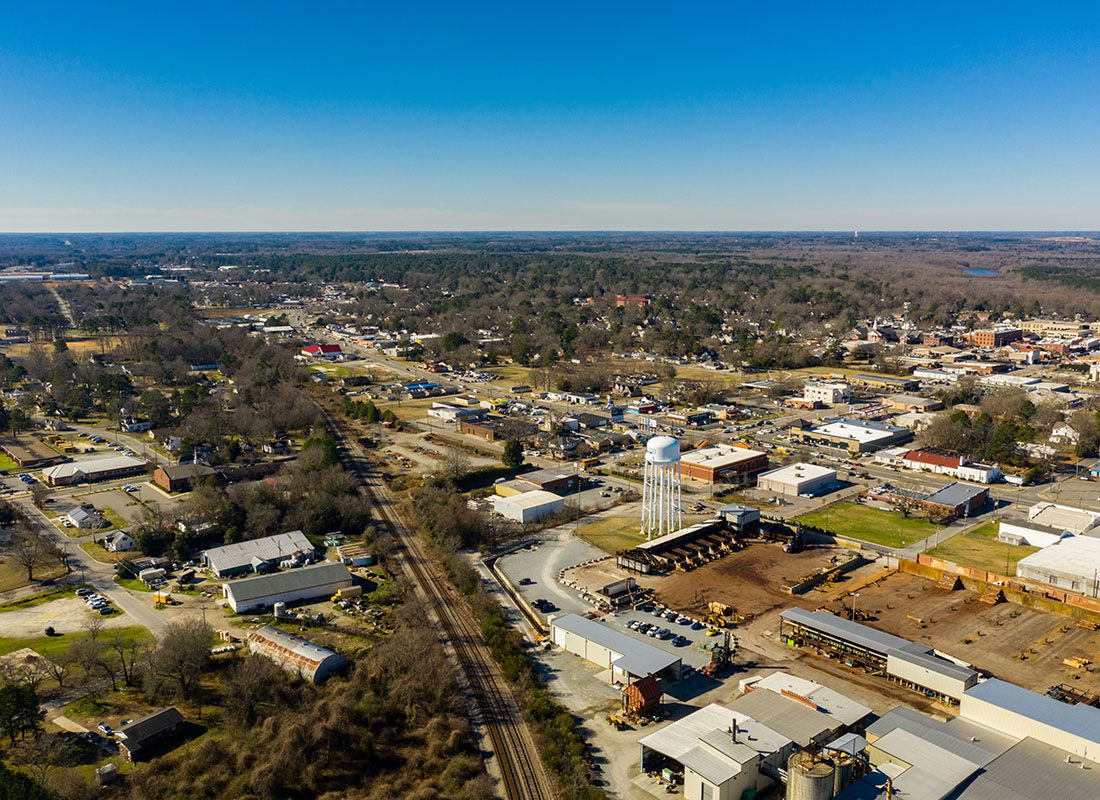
(521, 769)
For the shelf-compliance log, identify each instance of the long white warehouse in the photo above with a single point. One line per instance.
(306, 583)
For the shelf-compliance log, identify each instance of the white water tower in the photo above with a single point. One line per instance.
(661, 511)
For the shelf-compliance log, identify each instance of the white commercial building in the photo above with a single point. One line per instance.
(1072, 564)
(798, 479)
(305, 583)
(827, 392)
(1063, 518)
(528, 506)
(1016, 711)
(625, 657)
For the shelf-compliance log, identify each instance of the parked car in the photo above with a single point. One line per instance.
(84, 591)
(105, 729)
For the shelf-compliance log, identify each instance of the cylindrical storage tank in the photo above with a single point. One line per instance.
(280, 610)
(810, 777)
(662, 450)
(845, 771)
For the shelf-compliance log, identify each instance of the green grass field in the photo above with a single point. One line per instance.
(617, 533)
(97, 552)
(58, 645)
(612, 534)
(132, 583)
(867, 524)
(7, 462)
(979, 548)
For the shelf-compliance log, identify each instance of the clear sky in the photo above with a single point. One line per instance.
(549, 115)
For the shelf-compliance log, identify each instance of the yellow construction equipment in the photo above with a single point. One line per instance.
(722, 609)
(617, 722)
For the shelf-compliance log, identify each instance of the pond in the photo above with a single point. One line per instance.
(981, 273)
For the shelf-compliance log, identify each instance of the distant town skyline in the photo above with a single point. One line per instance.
(494, 117)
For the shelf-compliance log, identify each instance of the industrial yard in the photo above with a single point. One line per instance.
(1010, 641)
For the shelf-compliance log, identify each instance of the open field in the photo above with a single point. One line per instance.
(612, 534)
(867, 524)
(48, 646)
(13, 574)
(616, 533)
(1019, 644)
(978, 547)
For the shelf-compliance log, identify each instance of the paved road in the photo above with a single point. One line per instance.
(99, 576)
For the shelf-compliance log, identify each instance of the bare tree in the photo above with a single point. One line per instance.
(59, 667)
(455, 464)
(180, 657)
(128, 652)
(30, 551)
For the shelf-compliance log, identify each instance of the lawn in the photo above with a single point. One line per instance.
(116, 521)
(132, 583)
(612, 534)
(617, 533)
(979, 548)
(57, 593)
(58, 645)
(867, 524)
(7, 462)
(13, 574)
(97, 552)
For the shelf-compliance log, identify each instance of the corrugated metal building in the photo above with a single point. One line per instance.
(907, 662)
(296, 655)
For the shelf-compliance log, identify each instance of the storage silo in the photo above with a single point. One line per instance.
(845, 771)
(810, 776)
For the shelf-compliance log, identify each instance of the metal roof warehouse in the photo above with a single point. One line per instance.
(235, 558)
(627, 658)
(909, 663)
(304, 583)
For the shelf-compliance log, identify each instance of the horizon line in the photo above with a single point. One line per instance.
(556, 231)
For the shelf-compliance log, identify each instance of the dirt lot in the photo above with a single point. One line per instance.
(991, 637)
(751, 580)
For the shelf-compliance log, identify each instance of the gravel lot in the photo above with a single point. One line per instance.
(66, 615)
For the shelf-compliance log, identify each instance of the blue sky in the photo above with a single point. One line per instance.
(574, 116)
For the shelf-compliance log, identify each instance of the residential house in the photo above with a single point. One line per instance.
(118, 542)
(137, 738)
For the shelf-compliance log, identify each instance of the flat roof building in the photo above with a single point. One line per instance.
(854, 435)
(798, 479)
(551, 480)
(720, 463)
(1071, 563)
(525, 507)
